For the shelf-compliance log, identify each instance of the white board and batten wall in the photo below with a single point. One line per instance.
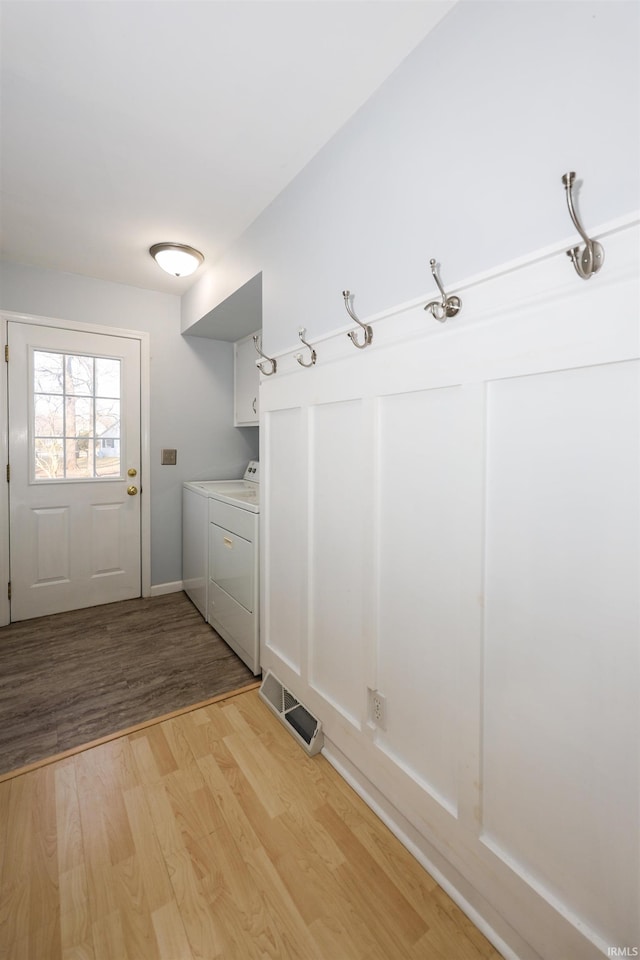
(451, 519)
(450, 515)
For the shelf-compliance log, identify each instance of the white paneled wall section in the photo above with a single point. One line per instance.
(451, 518)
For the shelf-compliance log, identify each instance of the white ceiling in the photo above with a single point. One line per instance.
(129, 123)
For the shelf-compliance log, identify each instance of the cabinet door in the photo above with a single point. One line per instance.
(247, 379)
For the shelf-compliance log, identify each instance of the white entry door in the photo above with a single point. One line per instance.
(74, 458)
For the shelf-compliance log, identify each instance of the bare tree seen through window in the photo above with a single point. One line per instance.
(76, 416)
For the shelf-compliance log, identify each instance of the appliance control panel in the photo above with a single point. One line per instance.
(253, 471)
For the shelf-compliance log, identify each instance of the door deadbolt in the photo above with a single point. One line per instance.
(132, 472)
(132, 490)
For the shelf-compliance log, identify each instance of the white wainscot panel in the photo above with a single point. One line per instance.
(51, 526)
(423, 466)
(106, 539)
(284, 526)
(561, 727)
(340, 496)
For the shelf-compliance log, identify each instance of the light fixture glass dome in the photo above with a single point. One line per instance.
(177, 259)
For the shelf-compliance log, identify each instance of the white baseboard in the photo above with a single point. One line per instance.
(159, 589)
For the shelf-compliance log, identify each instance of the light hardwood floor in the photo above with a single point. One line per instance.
(211, 835)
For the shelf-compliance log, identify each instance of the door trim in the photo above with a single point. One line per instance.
(145, 445)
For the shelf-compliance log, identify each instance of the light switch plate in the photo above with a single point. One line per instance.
(169, 458)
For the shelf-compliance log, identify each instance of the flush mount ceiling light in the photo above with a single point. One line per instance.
(177, 259)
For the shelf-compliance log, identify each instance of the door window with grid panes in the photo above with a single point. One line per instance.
(76, 416)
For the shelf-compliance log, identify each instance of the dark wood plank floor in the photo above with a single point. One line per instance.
(74, 677)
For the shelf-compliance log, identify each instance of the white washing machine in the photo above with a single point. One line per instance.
(221, 558)
(195, 544)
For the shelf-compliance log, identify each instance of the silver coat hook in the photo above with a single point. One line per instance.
(259, 364)
(445, 307)
(353, 334)
(592, 257)
(313, 358)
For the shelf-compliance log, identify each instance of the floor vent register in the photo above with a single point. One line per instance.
(306, 729)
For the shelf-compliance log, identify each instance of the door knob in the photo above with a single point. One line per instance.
(132, 490)
(131, 472)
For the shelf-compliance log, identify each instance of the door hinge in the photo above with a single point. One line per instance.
(8, 473)
(6, 353)
(9, 590)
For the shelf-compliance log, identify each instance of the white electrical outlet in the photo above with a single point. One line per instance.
(377, 709)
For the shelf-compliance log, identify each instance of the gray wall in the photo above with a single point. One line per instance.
(191, 389)
(458, 156)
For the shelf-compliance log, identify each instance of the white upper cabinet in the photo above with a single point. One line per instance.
(247, 381)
